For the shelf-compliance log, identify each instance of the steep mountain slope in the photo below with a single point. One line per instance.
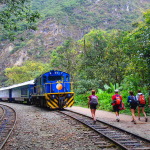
(65, 18)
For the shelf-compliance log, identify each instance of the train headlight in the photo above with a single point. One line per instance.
(59, 86)
(53, 96)
(69, 95)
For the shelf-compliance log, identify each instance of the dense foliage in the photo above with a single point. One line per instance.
(110, 58)
(101, 60)
(101, 57)
(109, 14)
(28, 71)
(15, 16)
(19, 15)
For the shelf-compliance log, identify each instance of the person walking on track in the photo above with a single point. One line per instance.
(142, 101)
(133, 105)
(116, 102)
(93, 102)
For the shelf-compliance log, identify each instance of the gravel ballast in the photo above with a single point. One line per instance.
(42, 129)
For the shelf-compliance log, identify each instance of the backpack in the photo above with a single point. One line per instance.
(133, 100)
(118, 100)
(141, 99)
(94, 100)
(121, 106)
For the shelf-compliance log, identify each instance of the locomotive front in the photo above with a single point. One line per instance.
(54, 89)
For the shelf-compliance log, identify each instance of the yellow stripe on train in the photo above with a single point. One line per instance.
(71, 104)
(56, 105)
(70, 100)
(50, 105)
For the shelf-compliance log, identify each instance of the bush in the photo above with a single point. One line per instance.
(105, 101)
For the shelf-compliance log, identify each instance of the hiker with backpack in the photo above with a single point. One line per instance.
(93, 102)
(141, 100)
(116, 102)
(133, 105)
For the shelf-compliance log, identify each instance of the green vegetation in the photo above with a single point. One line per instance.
(15, 16)
(108, 14)
(102, 58)
(114, 58)
(105, 101)
(20, 15)
(28, 71)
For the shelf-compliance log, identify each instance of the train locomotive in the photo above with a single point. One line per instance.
(52, 89)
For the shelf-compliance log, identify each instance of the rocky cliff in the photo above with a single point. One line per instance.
(76, 21)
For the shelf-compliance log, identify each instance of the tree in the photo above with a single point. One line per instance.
(28, 71)
(93, 45)
(16, 15)
(138, 49)
(115, 58)
(65, 57)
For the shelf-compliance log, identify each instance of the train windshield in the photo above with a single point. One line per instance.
(55, 78)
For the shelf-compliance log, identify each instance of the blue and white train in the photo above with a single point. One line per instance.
(52, 89)
(17, 93)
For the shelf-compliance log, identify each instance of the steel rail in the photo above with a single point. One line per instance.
(123, 144)
(13, 125)
(3, 113)
(92, 127)
(142, 138)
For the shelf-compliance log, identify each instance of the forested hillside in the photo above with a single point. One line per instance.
(87, 14)
(58, 21)
(101, 43)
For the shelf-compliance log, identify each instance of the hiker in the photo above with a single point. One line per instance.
(133, 105)
(141, 100)
(116, 102)
(93, 102)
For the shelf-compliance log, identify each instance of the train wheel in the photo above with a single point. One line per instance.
(42, 102)
(29, 101)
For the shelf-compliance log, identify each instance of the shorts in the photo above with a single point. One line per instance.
(133, 107)
(116, 108)
(93, 106)
(141, 105)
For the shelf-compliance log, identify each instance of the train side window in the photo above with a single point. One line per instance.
(62, 78)
(67, 78)
(44, 79)
(24, 91)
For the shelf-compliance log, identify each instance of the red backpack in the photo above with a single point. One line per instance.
(118, 100)
(141, 99)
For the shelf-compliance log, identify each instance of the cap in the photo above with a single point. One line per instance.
(116, 90)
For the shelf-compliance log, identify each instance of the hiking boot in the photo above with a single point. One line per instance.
(139, 119)
(117, 119)
(94, 122)
(146, 119)
(134, 122)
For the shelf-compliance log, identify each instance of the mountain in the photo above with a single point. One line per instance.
(62, 19)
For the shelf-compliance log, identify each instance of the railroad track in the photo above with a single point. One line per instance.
(7, 123)
(123, 139)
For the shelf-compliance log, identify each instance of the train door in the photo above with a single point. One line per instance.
(10, 99)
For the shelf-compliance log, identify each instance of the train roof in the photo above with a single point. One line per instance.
(17, 85)
(58, 72)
